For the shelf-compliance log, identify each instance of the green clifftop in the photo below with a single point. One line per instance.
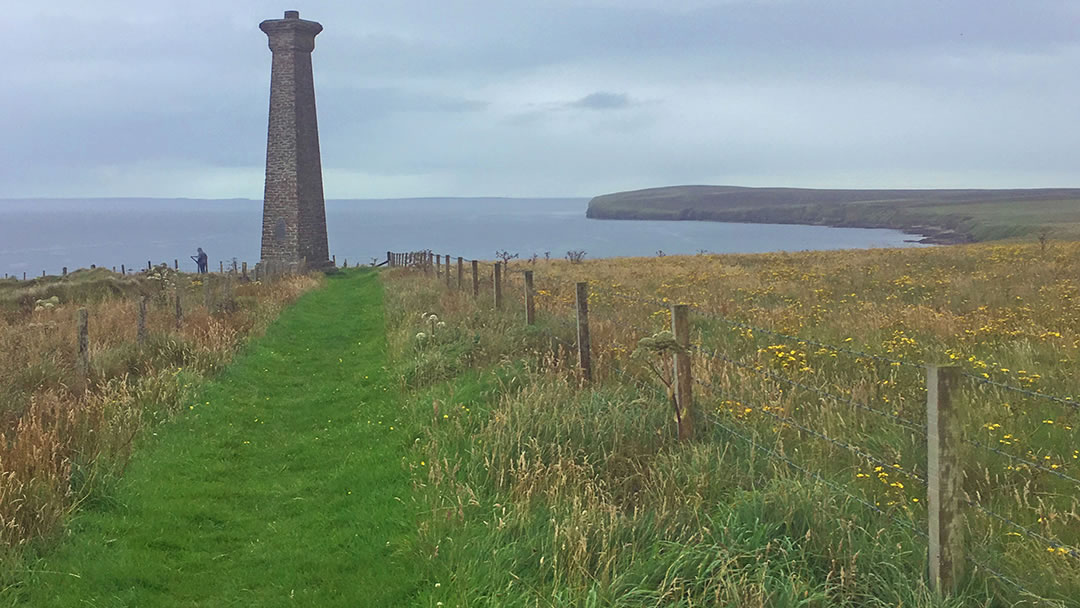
(940, 216)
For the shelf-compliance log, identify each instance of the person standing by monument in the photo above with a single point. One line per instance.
(201, 261)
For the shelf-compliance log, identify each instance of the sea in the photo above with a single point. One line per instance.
(46, 235)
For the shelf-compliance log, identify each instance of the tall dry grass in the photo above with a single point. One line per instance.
(64, 439)
(625, 510)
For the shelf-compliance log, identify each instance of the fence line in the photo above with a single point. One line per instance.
(899, 420)
(791, 422)
(943, 436)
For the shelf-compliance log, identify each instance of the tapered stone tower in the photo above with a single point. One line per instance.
(294, 212)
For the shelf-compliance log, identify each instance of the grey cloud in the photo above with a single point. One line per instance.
(560, 97)
(603, 100)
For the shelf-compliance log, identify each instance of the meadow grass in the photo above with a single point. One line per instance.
(65, 440)
(280, 485)
(544, 491)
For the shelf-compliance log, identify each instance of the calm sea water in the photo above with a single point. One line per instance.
(37, 235)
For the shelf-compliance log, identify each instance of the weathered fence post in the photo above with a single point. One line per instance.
(475, 278)
(179, 311)
(149, 265)
(684, 386)
(176, 264)
(448, 284)
(530, 303)
(140, 327)
(390, 259)
(123, 270)
(498, 284)
(584, 354)
(64, 271)
(943, 480)
(83, 362)
(221, 267)
(460, 272)
(243, 270)
(438, 265)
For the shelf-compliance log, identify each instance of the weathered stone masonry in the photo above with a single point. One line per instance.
(294, 211)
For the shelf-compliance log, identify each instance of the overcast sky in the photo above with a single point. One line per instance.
(545, 97)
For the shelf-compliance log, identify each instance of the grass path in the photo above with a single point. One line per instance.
(275, 490)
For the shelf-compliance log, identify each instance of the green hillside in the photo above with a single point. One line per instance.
(941, 216)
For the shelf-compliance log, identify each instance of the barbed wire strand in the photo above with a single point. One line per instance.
(857, 353)
(1005, 578)
(899, 420)
(835, 486)
(732, 322)
(832, 347)
(1015, 458)
(1027, 531)
(1024, 391)
(853, 449)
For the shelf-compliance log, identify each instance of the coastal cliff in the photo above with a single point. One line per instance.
(935, 216)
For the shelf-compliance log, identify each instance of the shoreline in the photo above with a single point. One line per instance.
(929, 235)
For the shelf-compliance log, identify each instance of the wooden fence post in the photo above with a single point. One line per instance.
(221, 266)
(684, 386)
(584, 352)
(943, 480)
(530, 303)
(179, 311)
(243, 270)
(475, 279)
(448, 284)
(438, 265)
(460, 272)
(176, 264)
(149, 265)
(83, 362)
(140, 331)
(498, 284)
(123, 270)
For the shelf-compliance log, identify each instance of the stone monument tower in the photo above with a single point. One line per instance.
(294, 212)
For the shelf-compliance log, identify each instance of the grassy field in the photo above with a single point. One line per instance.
(443, 453)
(280, 485)
(65, 440)
(944, 216)
(544, 491)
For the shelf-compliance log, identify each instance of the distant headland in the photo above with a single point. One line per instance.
(937, 216)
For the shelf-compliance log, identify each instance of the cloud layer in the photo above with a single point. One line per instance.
(560, 98)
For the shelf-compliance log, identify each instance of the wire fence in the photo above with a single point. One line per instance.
(928, 434)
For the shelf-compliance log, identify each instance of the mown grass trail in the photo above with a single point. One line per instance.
(282, 486)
